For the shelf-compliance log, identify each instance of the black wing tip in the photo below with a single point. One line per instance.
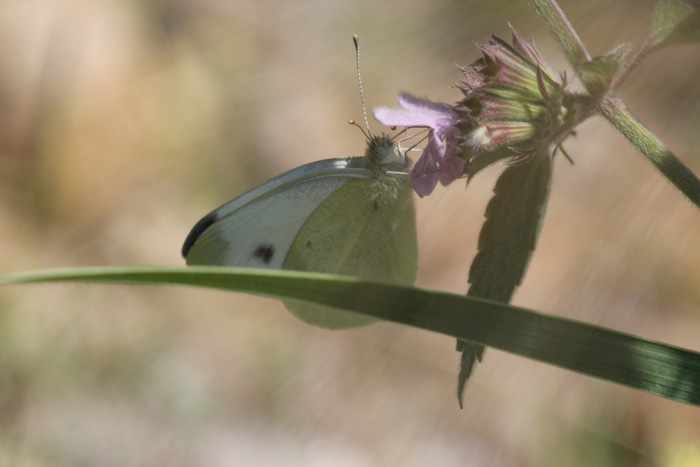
(197, 231)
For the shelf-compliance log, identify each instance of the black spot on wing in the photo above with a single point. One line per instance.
(264, 251)
(196, 231)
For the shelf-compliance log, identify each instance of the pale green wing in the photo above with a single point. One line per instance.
(257, 228)
(366, 229)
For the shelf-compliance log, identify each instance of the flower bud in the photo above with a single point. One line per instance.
(511, 99)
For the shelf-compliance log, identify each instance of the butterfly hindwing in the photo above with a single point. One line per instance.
(360, 230)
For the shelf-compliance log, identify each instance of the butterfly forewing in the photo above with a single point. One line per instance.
(257, 228)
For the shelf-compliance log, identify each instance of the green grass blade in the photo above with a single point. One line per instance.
(633, 361)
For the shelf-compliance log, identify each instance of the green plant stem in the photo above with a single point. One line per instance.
(559, 26)
(652, 148)
(612, 108)
(643, 53)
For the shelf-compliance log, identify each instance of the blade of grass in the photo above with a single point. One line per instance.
(654, 367)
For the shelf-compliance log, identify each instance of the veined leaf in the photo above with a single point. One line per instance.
(675, 22)
(506, 242)
(599, 72)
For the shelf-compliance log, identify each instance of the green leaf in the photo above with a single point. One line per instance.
(675, 22)
(687, 31)
(506, 242)
(485, 159)
(640, 363)
(600, 71)
(652, 148)
(595, 73)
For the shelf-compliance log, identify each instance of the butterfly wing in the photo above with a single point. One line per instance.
(338, 216)
(366, 229)
(257, 228)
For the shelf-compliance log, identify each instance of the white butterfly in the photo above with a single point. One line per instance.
(350, 216)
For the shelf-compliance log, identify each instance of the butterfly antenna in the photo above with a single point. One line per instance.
(353, 122)
(356, 40)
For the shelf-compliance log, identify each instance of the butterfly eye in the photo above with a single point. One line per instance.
(381, 150)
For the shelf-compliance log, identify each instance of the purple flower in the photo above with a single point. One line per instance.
(438, 161)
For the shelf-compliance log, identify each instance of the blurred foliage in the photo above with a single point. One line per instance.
(121, 123)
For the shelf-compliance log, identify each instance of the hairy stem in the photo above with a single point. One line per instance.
(652, 148)
(643, 53)
(559, 26)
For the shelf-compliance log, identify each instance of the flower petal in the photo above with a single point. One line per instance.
(451, 170)
(425, 175)
(409, 101)
(433, 166)
(417, 112)
(435, 148)
(399, 117)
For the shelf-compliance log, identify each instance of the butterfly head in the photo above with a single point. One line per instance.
(382, 150)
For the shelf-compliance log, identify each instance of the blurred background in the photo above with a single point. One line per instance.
(123, 122)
